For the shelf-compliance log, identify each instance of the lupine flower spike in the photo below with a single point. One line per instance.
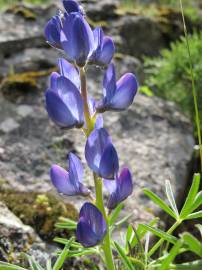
(69, 182)
(119, 189)
(101, 155)
(119, 95)
(91, 227)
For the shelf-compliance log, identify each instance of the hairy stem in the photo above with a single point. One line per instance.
(194, 93)
(106, 242)
(160, 242)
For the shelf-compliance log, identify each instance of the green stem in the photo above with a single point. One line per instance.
(198, 126)
(160, 242)
(106, 242)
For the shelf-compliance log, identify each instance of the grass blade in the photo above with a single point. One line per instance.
(126, 261)
(157, 200)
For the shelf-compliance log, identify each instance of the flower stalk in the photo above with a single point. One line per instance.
(100, 204)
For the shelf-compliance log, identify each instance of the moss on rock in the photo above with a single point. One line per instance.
(18, 84)
(22, 11)
(40, 211)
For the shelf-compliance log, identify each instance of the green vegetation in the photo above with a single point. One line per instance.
(153, 7)
(169, 76)
(10, 3)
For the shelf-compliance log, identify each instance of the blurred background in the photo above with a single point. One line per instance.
(156, 137)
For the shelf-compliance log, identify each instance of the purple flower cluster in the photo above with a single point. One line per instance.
(68, 106)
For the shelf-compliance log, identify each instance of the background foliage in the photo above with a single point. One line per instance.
(169, 74)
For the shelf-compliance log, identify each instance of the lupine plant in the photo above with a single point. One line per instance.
(69, 106)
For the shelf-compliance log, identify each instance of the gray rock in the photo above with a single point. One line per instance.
(15, 237)
(8, 125)
(141, 36)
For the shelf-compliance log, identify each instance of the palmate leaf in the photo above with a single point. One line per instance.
(66, 223)
(161, 234)
(195, 265)
(157, 200)
(199, 227)
(8, 266)
(171, 199)
(187, 208)
(126, 261)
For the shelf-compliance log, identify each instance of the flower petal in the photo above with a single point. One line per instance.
(125, 93)
(122, 188)
(71, 6)
(69, 71)
(92, 215)
(109, 163)
(53, 80)
(58, 111)
(77, 38)
(52, 31)
(85, 234)
(95, 145)
(109, 83)
(60, 179)
(107, 52)
(72, 98)
(75, 169)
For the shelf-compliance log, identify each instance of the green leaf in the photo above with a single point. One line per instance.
(171, 256)
(33, 264)
(113, 217)
(199, 227)
(193, 244)
(141, 232)
(195, 265)
(126, 261)
(187, 208)
(65, 242)
(195, 215)
(49, 264)
(157, 200)
(60, 260)
(197, 201)
(8, 266)
(122, 221)
(129, 235)
(66, 223)
(171, 198)
(160, 233)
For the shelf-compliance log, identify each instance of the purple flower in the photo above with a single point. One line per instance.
(69, 71)
(64, 103)
(52, 31)
(119, 189)
(77, 38)
(101, 155)
(72, 6)
(91, 227)
(69, 182)
(104, 48)
(119, 95)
